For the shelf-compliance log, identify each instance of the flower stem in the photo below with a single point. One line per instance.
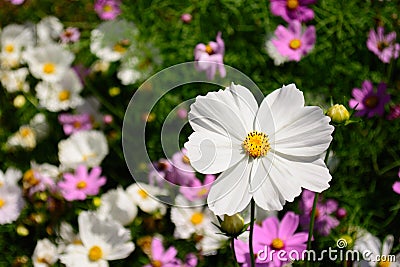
(252, 219)
(233, 251)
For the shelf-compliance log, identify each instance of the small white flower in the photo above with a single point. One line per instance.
(11, 203)
(128, 75)
(267, 152)
(83, 147)
(15, 80)
(10, 177)
(102, 240)
(210, 240)
(67, 236)
(274, 53)
(45, 254)
(48, 62)
(61, 95)
(118, 205)
(144, 196)
(49, 30)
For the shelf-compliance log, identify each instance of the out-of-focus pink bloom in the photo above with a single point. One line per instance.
(186, 18)
(396, 185)
(17, 2)
(382, 45)
(293, 42)
(159, 172)
(341, 213)
(293, 9)
(70, 35)
(324, 221)
(210, 57)
(43, 183)
(183, 173)
(81, 184)
(182, 113)
(367, 102)
(108, 119)
(162, 257)
(394, 112)
(198, 190)
(73, 123)
(107, 9)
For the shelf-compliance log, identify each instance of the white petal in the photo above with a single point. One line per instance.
(212, 153)
(229, 193)
(387, 245)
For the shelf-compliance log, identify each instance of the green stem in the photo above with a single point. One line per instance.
(233, 251)
(252, 219)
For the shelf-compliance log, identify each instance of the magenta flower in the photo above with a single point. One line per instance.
(183, 173)
(277, 236)
(324, 214)
(70, 35)
(186, 18)
(73, 123)
(293, 42)
(382, 45)
(394, 112)
(159, 172)
(291, 10)
(162, 257)
(107, 9)
(396, 185)
(198, 190)
(17, 2)
(81, 184)
(210, 57)
(42, 183)
(367, 102)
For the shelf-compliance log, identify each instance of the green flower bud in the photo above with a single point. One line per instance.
(232, 225)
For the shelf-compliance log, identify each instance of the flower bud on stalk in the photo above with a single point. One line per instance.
(232, 225)
(338, 113)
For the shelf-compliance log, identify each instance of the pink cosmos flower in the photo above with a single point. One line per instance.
(396, 185)
(73, 123)
(17, 2)
(324, 221)
(186, 18)
(70, 35)
(394, 112)
(291, 10)
(107, 9)
(43, 183)
(367, 102)
(183, 173)
(198, 190)
(277, 236)
(162, 257)
(159, 172)
(293, 42)
(81, 184)
(382, 45)
(182, 113)
(210, 57)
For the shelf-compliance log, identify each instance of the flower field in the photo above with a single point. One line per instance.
(199, 133)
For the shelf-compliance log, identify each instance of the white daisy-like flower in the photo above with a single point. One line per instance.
(111, 39)
(102, 241)
(45, 253)
(61, 95)
(144, 196)
(49, 29)
(83, 147)
(128, 75)
(11, 203)
(375, 252)
(274, 53)
(15, 80)
(14, 38)
(189, 221)
(66, 236)
(118, 205)
(210, 240)
(48, 62)
(10, 177)
(267, 152)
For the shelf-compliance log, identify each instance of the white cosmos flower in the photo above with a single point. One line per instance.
(211, 240)
(15, 80)
(45, 254)
(118, 205)
(102, 240)
(49, 30)
(83, 147)
(48, 62)
(10, 177)
(61, 95)
(144, 196)
(267, 153)
(11, 203)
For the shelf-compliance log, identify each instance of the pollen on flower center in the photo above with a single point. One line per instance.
(382, 45)
(26, 131)
(295, 44)
(143, 193)
(2, 202)
(107, 8)
(384, 263)
(64, 95)
(277, 243)
(119, 48)
(9, 48)
(256, 144)
(292, 4)
(197, 218)
(185, 159)
(209, 50)
(202, 192)
(49, 68)
(156, 263)
(371, 101)
(81, 185)
(95, 253)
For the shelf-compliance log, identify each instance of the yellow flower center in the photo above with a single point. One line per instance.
(49, 68)
(119, 48)
(202, 192)
(156, 263)
(384, 263)
(382, 45)
(2, 202)
(95, 253)
(107, 8)
(197, 218)
(256, 144)
(371, 101)
(209, 50)
(77, 124)
(81, 185)
(143, 193)
(87, 156)
(295, 44)
(185, 159)
(64, 95)
(1, 183)
(29, 177)
(277, 243)
(26, 131)
(9, 48)
(292, 4)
